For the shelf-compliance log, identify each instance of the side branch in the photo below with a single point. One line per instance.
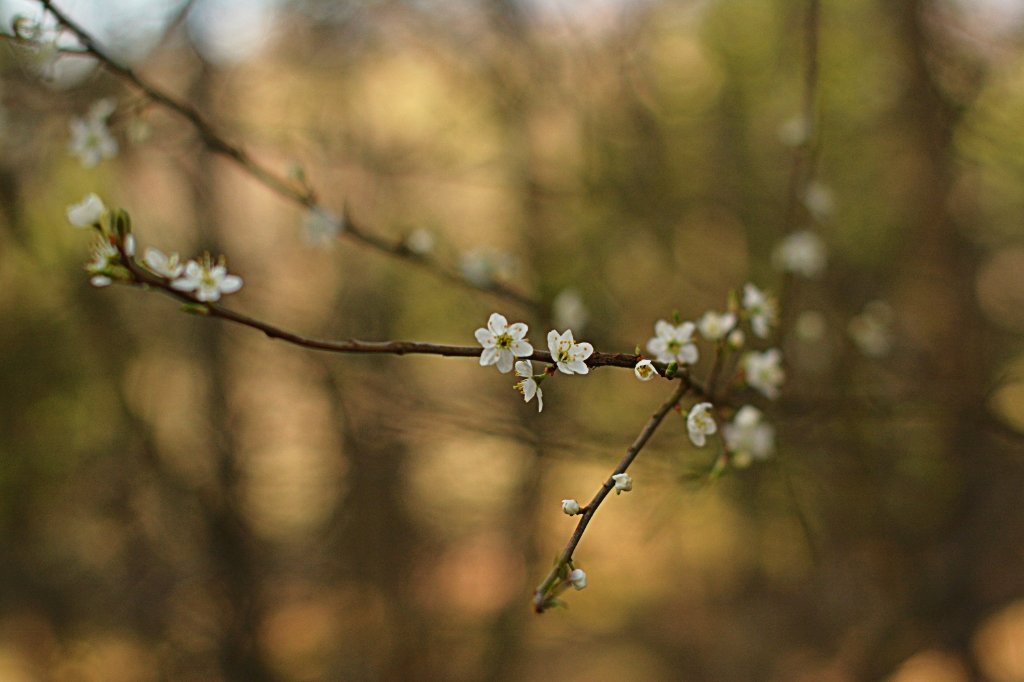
(305, 196)
(143, 278)
(544, 597)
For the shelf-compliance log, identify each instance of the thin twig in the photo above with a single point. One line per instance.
(142, 277)
(542, 599)
(303, 195)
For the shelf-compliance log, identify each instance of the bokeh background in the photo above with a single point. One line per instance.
(184, 500)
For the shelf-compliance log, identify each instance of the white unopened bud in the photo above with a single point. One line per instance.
(578, 578)
(570, 507)
(623, 483)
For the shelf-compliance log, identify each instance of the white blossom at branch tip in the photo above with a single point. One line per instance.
(568, 354)
(645, 370)
(86, 213)
(167, 266)
(802, 253)
(529, 386)
(207, 280)
(713, 326)
(700, 423)
(578, 578)
(762, 309)
(321, 227)
(91, 140)
(673, 343)
(623, 483)
(748, 437)
(570, 507)
(764, 372)
(502, 342)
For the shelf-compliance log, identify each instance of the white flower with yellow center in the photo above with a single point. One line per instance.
(673, 343)
(206, 280)
(167, 266)
(764, 372)
(569, 355)
(700, 423)
(502, 343)
(529, 386)
(645, 370)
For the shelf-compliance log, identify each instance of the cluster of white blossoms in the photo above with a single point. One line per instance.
(205, 279)
(503, 343)
(674, 346)
(91, 139)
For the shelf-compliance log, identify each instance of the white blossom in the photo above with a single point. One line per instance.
(794, 131)
(207, 280)
(420, 241)
(736, 339)
(91, 139)
(578, 578)
(802, 253)
(623, 483)
(88, 212)
(872, 329)
(105, 257)
(645, 370)
(570, 507)
(762, 309)
(321, 227)
(569, 355)
(483, 266)
(819, 200)
(568, 310)
(714, 326)
(764, 372)
(529, 386)
(673, 343)
(502, 343)
(748, 437)
(168, 266)
(700, 423)
(128, 244)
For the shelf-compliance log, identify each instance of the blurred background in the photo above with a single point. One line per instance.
(184, 500)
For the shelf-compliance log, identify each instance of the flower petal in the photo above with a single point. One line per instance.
(489, 356)
(518, 330)
(505, 361)
(521, 349)
(484, 337)
(497, 323)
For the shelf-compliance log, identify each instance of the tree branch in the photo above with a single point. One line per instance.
(544, 598)
(302, 195)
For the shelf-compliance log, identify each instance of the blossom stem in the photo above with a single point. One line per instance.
(542, 598)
